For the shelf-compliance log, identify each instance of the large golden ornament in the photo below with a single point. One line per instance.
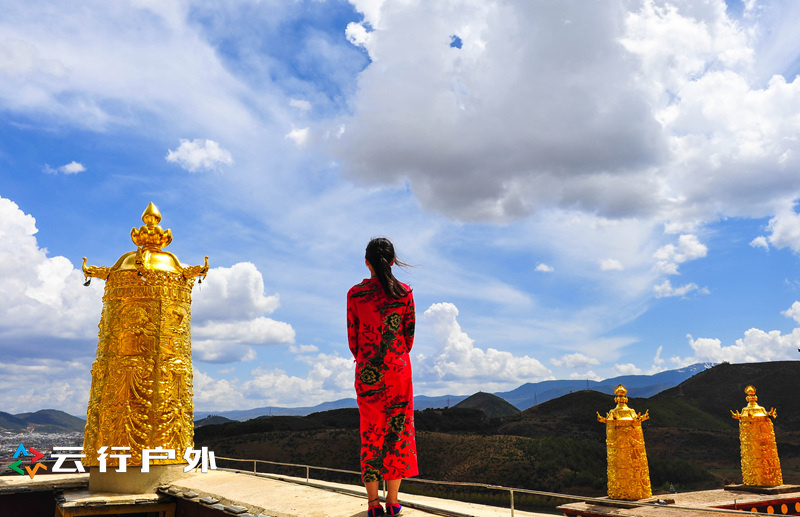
(628, 473)
(141, 394)
(760, 463)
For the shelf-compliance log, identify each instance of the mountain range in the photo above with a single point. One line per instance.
(524, 397)
(521, 398)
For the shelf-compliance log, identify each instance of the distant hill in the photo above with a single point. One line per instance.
(211, 420)
(53, 421)
(247, 414)
(530, 394)
(9, 422)
(523, 397)
(492, 405)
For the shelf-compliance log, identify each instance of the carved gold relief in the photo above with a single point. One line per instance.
(141, 395)
(628, 472)
(760, 463)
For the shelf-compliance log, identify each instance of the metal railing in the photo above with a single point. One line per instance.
(511, 491)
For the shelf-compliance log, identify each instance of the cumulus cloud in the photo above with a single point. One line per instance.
(666, 290)
(199, 154)
(299, 136)
(452, 120)
(457, 357)
(590, 375)
(41, 297)
(329, 378)
(611, 265)
(670, 256)
(300, 104)
(662, 114)
(576, 360)
(544, 268)
(760, 242)
(784, 230)
(627, 369)
(303, 349)
(756, 346)
(70, 168)
(67, 391)
(228, 315)
(230, 293)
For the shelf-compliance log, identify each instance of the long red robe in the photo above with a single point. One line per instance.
(380, 331)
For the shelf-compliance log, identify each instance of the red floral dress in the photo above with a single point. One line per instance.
(380, 331)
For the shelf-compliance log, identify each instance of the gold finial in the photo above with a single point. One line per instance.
(151, 236)
(622, 411)
(753, 409)
(151, 216)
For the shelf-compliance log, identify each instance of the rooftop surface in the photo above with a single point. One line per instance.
(269, 495)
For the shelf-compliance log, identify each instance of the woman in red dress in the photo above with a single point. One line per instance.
(380, 331)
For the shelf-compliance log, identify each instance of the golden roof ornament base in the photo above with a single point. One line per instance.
(141, 394)
(628, 472)
(760, 463)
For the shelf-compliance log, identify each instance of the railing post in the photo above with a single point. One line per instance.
(511, 493)
(307, 473)
(254, 467)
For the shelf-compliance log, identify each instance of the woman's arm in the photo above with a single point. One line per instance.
(352, 325)
(409, 322)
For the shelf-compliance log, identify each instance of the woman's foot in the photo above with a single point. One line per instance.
(393, 508)
(374, 508)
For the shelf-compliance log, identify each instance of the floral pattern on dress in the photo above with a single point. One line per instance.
(380, 333)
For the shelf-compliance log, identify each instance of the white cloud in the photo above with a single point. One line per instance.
(330, 378)
(760, 242)
(232, 293)
(686, 124)
(457, 358)
(70, 168)
(544, 268)
(256, 331)
(793, 312)
(670, 256)
(40, 296)
(666, 290)
(302, 105)
(756, 346)
(576, 360)
(627, 369)
(199, 154)
(228, 315)
(589, 375)
(303, 349)
(784, 229)
(68, 390)
(299, 136)
(611, 265)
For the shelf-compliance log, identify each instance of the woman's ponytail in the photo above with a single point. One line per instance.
(380, 254)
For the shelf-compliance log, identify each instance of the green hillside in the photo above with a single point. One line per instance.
(52, 421)
(491, 405)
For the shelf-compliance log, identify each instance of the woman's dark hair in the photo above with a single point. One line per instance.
(380, 254)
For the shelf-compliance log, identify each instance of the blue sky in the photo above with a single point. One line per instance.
(584, 190)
